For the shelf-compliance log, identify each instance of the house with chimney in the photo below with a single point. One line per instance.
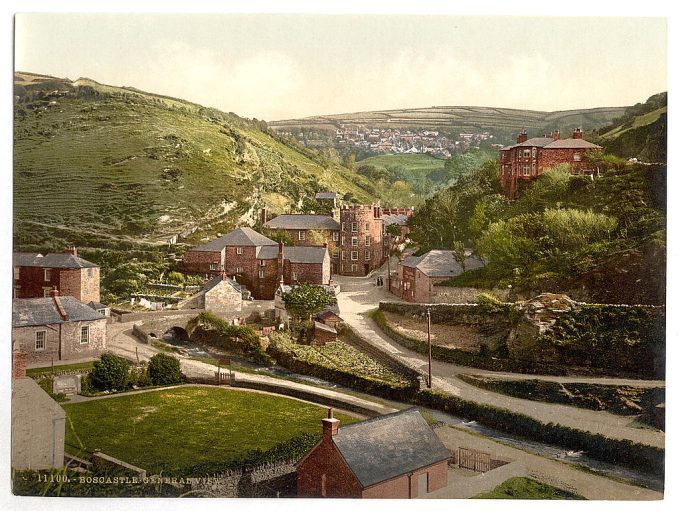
(258, 263)
(530, 157)
(395, 456)
(36, 275)
(57, 328)
(416, 276)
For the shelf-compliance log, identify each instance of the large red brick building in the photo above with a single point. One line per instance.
(529, 158)
(36, 275)
(395, 456)
(259, 263)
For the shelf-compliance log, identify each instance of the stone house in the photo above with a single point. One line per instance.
(529, 158)
(57, 328)
(38, 423)
(394, 456)
(221, 295)
(36, 275)
(417, 275)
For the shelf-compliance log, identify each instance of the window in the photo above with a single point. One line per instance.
(84, 334)
(239, 250)
(526, 153)
(368, 227)
(47, 292)
(239, 270)
(355, 241)
(342, 241)
(47, 274)
(213, 266)
(533, 152)
(367, 256)
(533, 169)
(294, 276)
(301, 235)
(343, 226)
(355, 227)
(354, 267)
(261, 274)
(40, 340)
(90, 273)
(102, 312)
(336, 235)
(577, 156)
(262, 262)
(336, 253)
(343, 255)
(368, 241)
(355, 255)
(526, 170)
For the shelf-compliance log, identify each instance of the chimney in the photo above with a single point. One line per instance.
(329, 426)
(58, 305)
(19, 359)
(522, 137)
(557, 134)
(54, 292)
(280, 260)
(72, 250)
(577, 133)
(551, 135)
(263, 216)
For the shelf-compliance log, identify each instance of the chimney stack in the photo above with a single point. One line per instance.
(263, 216)
(557, 134)
(19, 360)
(577, 133)
(73, 251)
(280, 260)
(57, 303)
(54, 292)
(329, 426)
(522, 137)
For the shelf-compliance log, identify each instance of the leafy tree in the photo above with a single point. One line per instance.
(110, 372)
(164, 370)
(175, 278)
(307, 299)
(315, 237)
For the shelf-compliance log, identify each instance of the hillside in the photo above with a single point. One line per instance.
(111, 167)
(504, 123)
(640, 132)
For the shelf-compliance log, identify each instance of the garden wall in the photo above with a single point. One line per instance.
(447, 294)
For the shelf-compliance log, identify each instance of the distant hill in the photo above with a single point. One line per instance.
(103, 166)
(640, 132)
(504, 123)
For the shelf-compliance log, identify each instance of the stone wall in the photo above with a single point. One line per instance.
(223, 300)
(269, 480)
(466, 313)
(446, 294)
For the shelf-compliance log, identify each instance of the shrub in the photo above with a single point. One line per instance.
(110, 373)
(164, 370)
(175, 278)
(139, 378)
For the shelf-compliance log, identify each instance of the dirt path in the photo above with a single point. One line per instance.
(360, 295)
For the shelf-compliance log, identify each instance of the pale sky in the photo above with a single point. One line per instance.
(283, 65)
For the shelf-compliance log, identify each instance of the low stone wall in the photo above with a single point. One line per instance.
(101, 462)
(466, 313)
(446, 294)
(141, 316)
(269, 480)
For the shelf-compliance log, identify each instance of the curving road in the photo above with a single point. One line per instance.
(360, 295)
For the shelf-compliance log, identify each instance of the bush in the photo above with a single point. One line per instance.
(110, 373)
(175, 278)
(164, 370)
(139, 378)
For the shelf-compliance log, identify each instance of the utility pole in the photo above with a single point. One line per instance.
(389, 253)
(429, 351)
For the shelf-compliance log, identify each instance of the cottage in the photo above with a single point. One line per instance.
(221, 296)
(38, 423)
(416, 276)
(529, 158)
(322, 334)
(36, 275)
(390, 456)
(57, 328)
(329, 317)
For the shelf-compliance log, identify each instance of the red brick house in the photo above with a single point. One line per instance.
(529, 158)
(416, 276)
(258, 263)
(57, 328)
(36, 275)
(395, 456)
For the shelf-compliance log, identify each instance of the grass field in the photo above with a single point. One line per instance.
(415, 163)
(528, 489)
(173, 430)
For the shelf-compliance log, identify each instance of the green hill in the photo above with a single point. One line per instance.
(118, 168)
(504, 123)
(640, 132)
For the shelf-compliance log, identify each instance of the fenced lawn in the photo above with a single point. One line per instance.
(170, 431)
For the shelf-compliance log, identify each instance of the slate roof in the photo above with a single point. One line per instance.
(395, 219)
(43, 311)
(327, 328)
(326, 195)
(388, 446)
(216, 280)
(308, 255)
(241, 237)
(441, 263)
(303, 222)
(267, 252)
(96, 305)
(550, 143)
(327, 313)
(51, 261)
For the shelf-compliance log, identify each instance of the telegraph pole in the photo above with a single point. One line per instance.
(429, 351)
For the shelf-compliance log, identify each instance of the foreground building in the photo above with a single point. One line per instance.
(57, 328)
(529, 158)
(394, 456)
(417, 275)
(36, 275)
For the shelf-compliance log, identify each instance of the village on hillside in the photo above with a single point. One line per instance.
(330, 356)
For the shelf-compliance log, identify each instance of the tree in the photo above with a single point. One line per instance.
(110, 373)
(315, 238)
(459, 253)
(164, 370)
(176, 278)
(307, 299)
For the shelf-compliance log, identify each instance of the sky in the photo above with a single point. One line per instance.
(280, 66)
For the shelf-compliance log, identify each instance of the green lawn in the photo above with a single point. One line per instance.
(528, 489)
(84, 366)
(173, 430)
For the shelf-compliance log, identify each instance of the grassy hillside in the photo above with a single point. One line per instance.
(108, 167)
(502, 122)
